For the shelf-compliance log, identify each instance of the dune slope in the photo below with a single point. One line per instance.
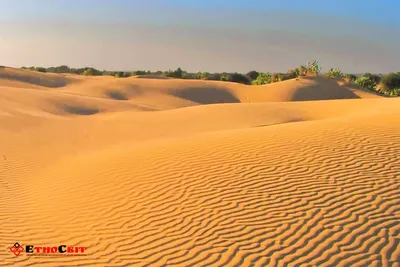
(302, 183)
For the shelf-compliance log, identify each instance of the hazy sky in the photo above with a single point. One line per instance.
(208, 35)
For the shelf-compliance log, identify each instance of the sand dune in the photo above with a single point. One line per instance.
(175, 93)
(21, 76)
(144, 172)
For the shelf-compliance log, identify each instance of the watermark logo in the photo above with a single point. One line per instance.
(60, 250)
(17, 249)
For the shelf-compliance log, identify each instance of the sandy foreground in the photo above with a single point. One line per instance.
(143, 172)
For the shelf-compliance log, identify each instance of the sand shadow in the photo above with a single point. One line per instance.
(278, 123)
(116, 95)
(323, 92)
(36, 78)
(205, 95)
(79, 110)
(150, 76)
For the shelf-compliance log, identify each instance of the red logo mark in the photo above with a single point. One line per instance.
(17, 249)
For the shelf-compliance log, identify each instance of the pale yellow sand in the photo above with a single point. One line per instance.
(144, 174)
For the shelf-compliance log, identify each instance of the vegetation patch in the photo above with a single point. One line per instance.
(388, 84)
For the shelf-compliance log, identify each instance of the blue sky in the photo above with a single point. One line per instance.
(268, 35)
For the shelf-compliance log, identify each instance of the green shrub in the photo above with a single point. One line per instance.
(335, 73)
(376, 78)
(313, 68)
(276, 77)
(40, 69)
(143, 72)
(119, 74)
(88, 72)
(390, 82)
(252, 75)
(301, 71)
(350, 77)
(202, 75)
(235, 77)
(178, 73)
(59, 69)
(291, 74)
(395, 92)
(189, 76)
(262, 78)
(214, 76)
(366, 82)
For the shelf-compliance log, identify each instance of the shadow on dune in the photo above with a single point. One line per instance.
(116, 95)
(35, 78)
(159, 77)
(124, 92)
(79, 110)
(323, 90)
(277, 123)
(206, 95)
(354, 87)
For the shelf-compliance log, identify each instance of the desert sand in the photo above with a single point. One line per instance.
(164, 172)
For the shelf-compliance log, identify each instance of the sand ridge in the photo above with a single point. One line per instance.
(161, 178)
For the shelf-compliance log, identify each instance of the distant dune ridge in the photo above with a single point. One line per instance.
(145, 172)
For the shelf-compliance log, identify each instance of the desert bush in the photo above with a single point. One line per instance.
(224, 77)
(294, 73)
(291, 74)
(335, 73)
(390, 82)
(350, 77)
(90, 72)
(121, 74)
(142, 72)
(301, 71)
(202, 75)
(62, 69)
(59, 69)
(168, 73)
(87, 72)
(214, 76)
(394, 92)
(252, 75)
(40, 69)
(178, 73)
(376, 78)
(276, 77)
(262, 78)
(239, 78)
(189, 76)
(366, 82)
(313, 68)
(235, 77)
